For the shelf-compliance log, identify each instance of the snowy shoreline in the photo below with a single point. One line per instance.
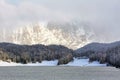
(75, 62)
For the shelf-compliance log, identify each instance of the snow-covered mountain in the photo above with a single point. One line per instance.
(70, 34)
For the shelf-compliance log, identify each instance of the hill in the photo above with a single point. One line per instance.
(102, 52)
(35, 53)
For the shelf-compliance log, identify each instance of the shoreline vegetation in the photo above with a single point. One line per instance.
(101, 52)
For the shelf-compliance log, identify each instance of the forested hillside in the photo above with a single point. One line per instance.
(103, 52)
(35, 53)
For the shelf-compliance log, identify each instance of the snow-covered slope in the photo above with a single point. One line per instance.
(70, 34)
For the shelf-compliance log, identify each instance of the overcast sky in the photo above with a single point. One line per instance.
(104, 15)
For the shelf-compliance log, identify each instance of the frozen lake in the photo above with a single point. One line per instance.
(59, 73)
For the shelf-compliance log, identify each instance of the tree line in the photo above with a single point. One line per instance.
(35, 53)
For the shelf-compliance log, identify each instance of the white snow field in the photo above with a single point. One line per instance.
(84, 62)
(2, 63)
(75, 62)
(43, 63)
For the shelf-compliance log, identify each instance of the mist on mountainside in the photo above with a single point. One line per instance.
(69, 34)
(79, 21)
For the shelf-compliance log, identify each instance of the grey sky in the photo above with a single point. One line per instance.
(103, 15)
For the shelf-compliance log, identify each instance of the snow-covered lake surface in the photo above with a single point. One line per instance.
(75, 62)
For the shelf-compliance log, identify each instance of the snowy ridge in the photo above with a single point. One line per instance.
(70, 34)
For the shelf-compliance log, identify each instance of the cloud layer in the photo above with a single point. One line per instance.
(104, 15)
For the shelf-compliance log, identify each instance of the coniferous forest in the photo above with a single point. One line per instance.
(104, 53)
